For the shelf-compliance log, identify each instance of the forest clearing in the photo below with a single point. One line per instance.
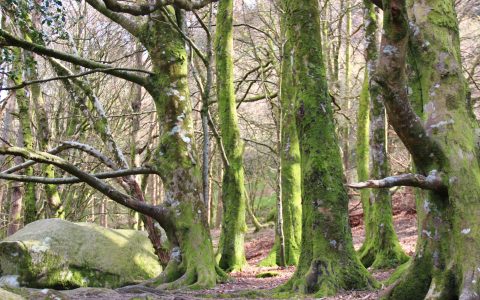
(189, 149)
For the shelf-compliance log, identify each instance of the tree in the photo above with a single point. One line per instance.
(183, 213)
(290, 163)
(443, 145)
(327, 261)
(233, 187)
(381, 248)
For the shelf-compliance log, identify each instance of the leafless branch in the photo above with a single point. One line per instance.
(432, 182)
(106, 70)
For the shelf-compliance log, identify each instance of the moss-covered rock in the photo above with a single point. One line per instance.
(54, 253)
(6, 295)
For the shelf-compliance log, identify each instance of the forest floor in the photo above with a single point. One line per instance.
(258, 245)
(245, 284)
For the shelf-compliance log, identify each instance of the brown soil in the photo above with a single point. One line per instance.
(259, 244)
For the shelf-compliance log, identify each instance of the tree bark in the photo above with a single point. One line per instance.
(233, 189)
(445, 265)
(328, 262)
(381, 248)
(289, 161)
(23, 102)
(192, 261)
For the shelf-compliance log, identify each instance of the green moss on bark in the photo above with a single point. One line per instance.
(381, 248)
(192, 262)
(233, 189)
(328, 262)
(290, 165)
(448, 248)
(23, 102)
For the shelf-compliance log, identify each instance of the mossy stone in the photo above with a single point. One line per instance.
(55, 253)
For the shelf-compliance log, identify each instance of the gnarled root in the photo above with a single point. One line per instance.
(422, 280)
(376, 257)
(325, 278)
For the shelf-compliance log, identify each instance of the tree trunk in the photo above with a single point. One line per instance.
(233, 190)
(192, 261)
(290, 163)
(345, 131)
(328, 262)
(381, 248)
(16, 196)
(55, 206)
(23, 102)
(445, 265)
(362, 146)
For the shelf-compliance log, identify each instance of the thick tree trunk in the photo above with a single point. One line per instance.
(446, 263)
(233, 190)
(192, 261)
(328, 262)
(381, 248)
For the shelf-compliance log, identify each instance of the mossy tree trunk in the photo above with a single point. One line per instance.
(23, 103)
(443, 145)
(182, 215)
(54, 202)
(328, 262)
(15, 188)
(345, 130)
(381, 248)
(192, 261)
(233, 189)
(362, 145)
(290, 163)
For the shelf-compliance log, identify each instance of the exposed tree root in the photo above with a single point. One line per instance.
(422, 280)
(326, 278)
(372, 255)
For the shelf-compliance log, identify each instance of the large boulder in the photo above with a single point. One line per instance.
(54, 253)
(6, 295)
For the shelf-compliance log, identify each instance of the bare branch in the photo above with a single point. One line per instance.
(71, 180)
(146, 8)
(64, 146)
(158, 213)
(219, 140)
(131, 26)
(29, 163)
(6, 39)
(260, 144)
(27, 83)
(93, 152)
(256, 29)
(432, 182)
